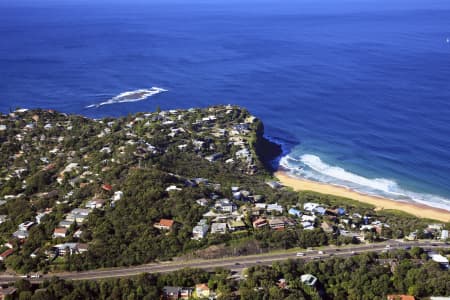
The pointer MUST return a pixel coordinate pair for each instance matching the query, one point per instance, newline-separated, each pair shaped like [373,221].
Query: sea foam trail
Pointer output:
[131,96]
[311,167]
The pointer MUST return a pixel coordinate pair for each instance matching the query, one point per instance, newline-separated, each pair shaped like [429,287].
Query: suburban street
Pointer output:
[233,263]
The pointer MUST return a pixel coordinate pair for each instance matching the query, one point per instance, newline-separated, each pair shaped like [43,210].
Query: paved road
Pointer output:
[233,263]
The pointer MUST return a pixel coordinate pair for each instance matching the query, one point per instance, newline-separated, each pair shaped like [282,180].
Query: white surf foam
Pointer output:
[131,96]
[312,167]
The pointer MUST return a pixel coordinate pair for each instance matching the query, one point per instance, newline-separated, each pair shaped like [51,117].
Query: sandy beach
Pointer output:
[419,210]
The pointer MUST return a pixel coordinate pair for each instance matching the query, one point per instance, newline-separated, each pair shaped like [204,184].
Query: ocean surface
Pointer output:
[357,92]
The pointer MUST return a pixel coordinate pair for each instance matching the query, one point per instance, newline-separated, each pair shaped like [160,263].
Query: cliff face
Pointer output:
[267,151]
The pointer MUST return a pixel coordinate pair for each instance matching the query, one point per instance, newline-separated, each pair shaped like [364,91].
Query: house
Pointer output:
[225,206]
[171,292]
[6,253]
[164,224]
[3,218]
[277,223]
[274,184]
[275,208]
[78,215]
[71,248]
[214,157]
[308,218]
[260,222]
[7,293]
[320,210]
[444,235]
[294,212]
[59,232]
[107,187]
[65,223]
[442,260]
[400,297]
[202,202]
[117,196]
[310,206]
[307,225]
[236,225]
[220,228]
[202,290]
[25,226]
[40,215]
[173,188]
[21,234]
[308,279]
[95,203]
[199,231]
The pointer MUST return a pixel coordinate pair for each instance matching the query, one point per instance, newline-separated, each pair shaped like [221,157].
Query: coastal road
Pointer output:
[236,263]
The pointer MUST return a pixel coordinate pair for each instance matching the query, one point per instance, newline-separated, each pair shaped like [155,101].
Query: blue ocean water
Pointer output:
[358,92]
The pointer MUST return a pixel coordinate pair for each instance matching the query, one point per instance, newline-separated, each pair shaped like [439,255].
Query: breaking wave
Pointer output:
[131,96]
[311,167]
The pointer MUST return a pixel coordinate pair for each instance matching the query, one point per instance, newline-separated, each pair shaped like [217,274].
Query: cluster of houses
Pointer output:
[200,291]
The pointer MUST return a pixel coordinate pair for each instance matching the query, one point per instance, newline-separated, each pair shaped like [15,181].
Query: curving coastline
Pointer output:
[418,210]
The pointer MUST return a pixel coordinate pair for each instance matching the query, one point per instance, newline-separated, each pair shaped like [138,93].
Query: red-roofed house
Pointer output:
[164,224]
[202,290]
[60,232]
[107,187]
[400,297]
[5,254]
[260,222]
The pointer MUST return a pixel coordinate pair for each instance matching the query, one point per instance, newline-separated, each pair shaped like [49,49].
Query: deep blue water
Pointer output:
[355,90]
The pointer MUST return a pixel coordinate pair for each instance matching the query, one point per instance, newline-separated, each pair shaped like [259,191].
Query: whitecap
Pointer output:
[131,96]
[312,167]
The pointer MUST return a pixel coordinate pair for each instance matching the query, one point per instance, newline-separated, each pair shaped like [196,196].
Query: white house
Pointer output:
[218,228]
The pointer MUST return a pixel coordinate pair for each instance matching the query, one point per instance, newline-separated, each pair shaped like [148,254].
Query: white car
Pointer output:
[300,254]
[321,252]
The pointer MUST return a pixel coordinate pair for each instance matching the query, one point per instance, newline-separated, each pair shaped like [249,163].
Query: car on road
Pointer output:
[237,264]
[353,252]
[300,254]
[321,252]
[36,275]
[388,246]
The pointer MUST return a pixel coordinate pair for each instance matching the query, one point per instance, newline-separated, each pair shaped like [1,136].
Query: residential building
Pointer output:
[295,212]
[444,235]
[274,184]
[95,203]
[21,234]
[310,206]
[308,279]
[234,225]
[171,292]
[202,290]
[400,297]
[164,224]
[59,232]
[202,202]
[260,222]
[199,231]
[277,223]
[220,228]
[7,293]
[275,208]
[6,253]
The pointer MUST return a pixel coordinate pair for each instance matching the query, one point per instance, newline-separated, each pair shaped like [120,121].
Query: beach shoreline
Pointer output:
[380,203]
